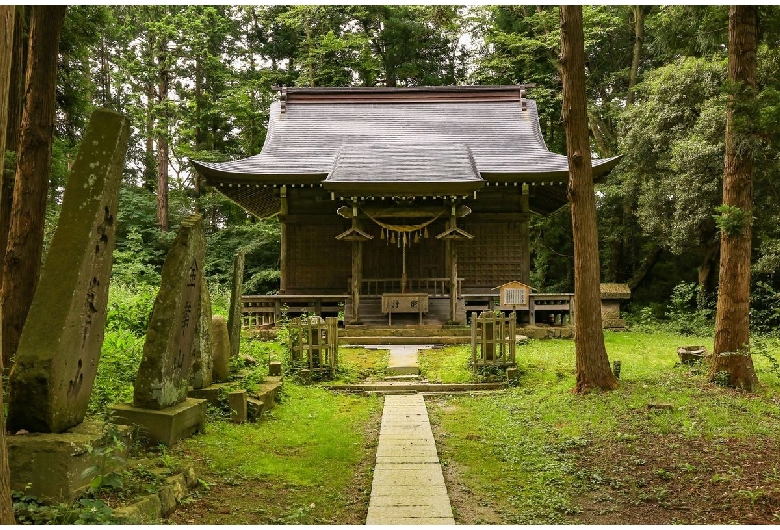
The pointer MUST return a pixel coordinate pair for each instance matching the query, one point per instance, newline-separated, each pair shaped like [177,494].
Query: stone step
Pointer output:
[412,387]
[405,377]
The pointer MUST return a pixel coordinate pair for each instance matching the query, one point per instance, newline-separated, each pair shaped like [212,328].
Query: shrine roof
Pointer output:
[405,141]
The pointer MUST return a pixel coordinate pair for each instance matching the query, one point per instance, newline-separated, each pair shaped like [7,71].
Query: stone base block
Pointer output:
[167,425]
[614,324]
[209,393]
[53,465]
[275,369]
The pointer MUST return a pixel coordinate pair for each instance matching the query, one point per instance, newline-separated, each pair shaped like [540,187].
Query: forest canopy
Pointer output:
[196,82]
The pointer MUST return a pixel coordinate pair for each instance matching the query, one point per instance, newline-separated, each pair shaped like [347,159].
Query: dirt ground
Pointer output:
[663,480]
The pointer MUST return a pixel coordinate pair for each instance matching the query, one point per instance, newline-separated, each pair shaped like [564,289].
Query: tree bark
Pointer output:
[162,140]
[639,37]
[732,337]
[593,370]
[7,17]
[14,104]
[22,261]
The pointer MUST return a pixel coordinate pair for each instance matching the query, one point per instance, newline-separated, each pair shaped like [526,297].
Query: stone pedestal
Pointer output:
[275,369]
[53,465]
[166,425]
[238,406]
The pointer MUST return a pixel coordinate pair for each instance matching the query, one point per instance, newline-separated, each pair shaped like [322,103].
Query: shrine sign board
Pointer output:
[404,303]
[514,296]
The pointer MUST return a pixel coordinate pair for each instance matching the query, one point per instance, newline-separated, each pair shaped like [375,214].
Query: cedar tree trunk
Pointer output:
[22,261]
[7,16]
[15,103]
[732,349]
[592,363]
[162,141]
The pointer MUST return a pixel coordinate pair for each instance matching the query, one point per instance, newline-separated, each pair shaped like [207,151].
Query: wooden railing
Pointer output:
[429,286]
[266,310]
[543,308]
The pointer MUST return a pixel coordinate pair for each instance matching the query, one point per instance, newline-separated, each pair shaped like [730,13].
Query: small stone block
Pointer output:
[167,496]
[511,375]
[254,409]
[275,369]
[306,376]
[210,394]
[190,478]
[145,510]
[167,425]
[238,406]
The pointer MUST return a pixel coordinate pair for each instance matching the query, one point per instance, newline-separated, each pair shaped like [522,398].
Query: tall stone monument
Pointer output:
[234,317]
[57,359]
[202,361]
[160,405]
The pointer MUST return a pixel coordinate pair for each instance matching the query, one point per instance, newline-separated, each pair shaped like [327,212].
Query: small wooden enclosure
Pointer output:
[493,340]
[314,343]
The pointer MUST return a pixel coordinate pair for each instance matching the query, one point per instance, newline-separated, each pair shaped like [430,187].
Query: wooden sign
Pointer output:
[514,296]
[404,303]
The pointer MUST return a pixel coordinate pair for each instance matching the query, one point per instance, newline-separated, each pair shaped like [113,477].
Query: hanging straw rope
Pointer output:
[405,228]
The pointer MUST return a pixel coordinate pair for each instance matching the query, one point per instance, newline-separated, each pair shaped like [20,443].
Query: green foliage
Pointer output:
[732,219]
[110,456]
[119,362]
[31,510]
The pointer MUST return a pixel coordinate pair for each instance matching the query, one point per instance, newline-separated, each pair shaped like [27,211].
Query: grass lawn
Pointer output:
[309,462]
[666,447]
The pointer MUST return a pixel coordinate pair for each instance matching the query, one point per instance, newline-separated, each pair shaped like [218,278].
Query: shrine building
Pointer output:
[424,192]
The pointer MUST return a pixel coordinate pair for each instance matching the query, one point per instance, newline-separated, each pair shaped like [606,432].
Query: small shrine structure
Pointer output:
[381,191]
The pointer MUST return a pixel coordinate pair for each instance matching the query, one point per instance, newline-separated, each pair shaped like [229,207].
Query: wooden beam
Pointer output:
[391,212]
[284,241]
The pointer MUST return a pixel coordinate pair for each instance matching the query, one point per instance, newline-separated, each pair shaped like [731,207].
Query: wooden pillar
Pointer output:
[452,252]
[357,273]
[525,237]
[283,239]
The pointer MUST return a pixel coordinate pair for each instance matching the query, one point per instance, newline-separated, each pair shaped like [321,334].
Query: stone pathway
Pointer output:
[408,485]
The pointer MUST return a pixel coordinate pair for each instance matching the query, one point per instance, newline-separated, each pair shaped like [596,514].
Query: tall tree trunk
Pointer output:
[22,261]
[647,266]
[162,138]
[150,158]
[732,337]
[15,103]
[593,370]
[7,16]
[639,37]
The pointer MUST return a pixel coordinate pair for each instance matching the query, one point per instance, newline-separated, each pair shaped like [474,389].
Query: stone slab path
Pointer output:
[403,357]
[408,485]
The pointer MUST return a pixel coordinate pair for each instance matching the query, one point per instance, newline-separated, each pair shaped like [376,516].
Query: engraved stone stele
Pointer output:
[57,358]
[163,376]
[202,362]
[220,348]
[234,316]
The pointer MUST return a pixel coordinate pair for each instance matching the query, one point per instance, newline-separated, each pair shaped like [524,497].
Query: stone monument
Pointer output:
[234,317]
[220,347]
[57,359]
[160,404]
[202,361]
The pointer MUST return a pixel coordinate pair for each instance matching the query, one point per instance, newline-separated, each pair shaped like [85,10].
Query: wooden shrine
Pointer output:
[385,191]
